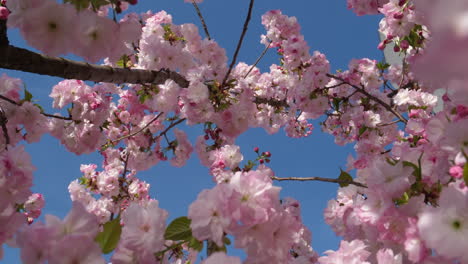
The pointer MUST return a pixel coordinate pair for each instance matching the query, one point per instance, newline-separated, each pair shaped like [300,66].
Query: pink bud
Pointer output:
[381,46]
[404,44]
[398,15]
[396,48]
[256,149]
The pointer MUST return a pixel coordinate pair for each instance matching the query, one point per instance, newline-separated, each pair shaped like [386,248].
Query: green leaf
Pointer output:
[336,103]
[98,3]
[403,199]
[79,4]
[122,62]
[362,130]
[110,236]
[195,244]
[179,229]
[345,178]
[465,173]
[382,66]
[40,107]
[27,96]
[227,241]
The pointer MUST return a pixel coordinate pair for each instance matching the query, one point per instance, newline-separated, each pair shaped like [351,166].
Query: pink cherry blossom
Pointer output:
[143,229]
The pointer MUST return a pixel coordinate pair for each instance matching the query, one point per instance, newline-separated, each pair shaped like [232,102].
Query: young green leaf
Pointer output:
[344,178]
[179,229]
[110,236]
[465,173]
[195,244]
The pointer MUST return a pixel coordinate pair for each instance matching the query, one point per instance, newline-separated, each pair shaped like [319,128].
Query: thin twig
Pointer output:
[170,126]
[202,20]
[258,59]
[139,130]
[318,179]
[44,114]
[9,100]
[58,117]
[239,43]
[125,163]
[370,96]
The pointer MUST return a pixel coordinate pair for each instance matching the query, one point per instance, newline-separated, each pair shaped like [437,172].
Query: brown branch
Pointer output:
[258,59]
[3,122]
[318,179]
[45,114]
[3,33]
[138,131]
[270,101]
[373,98]
[8,100]
[170,126]
[202,20]
[239,43]
[14,58]
[58,117]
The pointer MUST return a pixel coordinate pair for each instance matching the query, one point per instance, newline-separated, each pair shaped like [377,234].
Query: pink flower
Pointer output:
[353,252]
[93,36]
[182,150]
[79,249]
[144,227]
[34,205]
[254,198]
[35,242]
[210,214]
[386,256]
[221,257]
[48,27]
[78,221]
[445,228]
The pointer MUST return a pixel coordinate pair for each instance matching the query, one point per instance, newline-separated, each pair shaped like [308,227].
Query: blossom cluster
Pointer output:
[407,203]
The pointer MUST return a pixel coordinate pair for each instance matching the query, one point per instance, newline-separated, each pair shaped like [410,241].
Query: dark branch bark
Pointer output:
[202,20]
[239,43]
[3,33]
[14,58]
[373,98]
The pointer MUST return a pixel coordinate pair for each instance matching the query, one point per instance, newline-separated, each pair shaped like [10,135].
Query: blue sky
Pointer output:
[327,26]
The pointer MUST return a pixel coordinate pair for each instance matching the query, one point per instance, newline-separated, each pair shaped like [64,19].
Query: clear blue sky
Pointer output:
[327,26]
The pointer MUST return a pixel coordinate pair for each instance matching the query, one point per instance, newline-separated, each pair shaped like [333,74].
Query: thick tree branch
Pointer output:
[239,44]
[3,33]
[14,58]
[371,97]
[318,179]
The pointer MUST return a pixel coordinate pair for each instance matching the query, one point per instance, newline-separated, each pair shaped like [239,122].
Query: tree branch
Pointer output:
[205,28]
[14,58]
[373,98]
[239,43]
[44,114]
[318,179]
[138,131]
[258,59]
[3,33]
